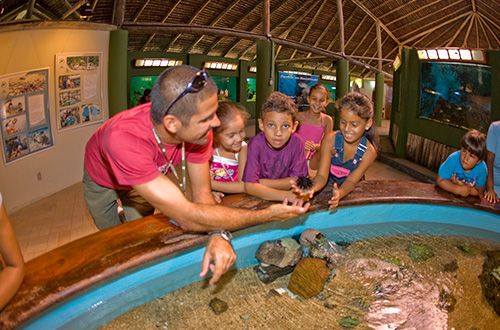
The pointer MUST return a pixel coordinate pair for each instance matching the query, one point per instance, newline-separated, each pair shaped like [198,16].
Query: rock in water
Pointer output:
[217,305]
[282,252]
[309,277]
[269,273]
[322,248]
[490,279]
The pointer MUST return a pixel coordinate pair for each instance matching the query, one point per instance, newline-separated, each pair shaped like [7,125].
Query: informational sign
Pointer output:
[78,89]
[24,114]
[297,85]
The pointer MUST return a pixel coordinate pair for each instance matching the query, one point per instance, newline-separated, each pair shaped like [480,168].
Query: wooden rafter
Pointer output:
[13,13]
[440,36]
[345,24]
[477,30]
[382,25]
[434,28]
[398,8]
[489,20]
[374,54]
[488,28]
[250,13]
[484,32]
[310,4]
[417,10]
[473,3]
[213,23]
[191,20]
[320,38]
[254,27]
[139,12]
[363,40]
[431,25]
[462,26]
[355,30]
[465,43]
[29,10]
[296,22]
[151,37]
[489,10]
[73,9]
[313,21]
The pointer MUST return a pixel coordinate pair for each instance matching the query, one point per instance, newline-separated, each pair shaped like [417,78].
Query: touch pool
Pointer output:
[94,290]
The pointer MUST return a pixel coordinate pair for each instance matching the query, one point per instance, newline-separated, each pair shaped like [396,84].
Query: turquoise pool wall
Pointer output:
[99,305]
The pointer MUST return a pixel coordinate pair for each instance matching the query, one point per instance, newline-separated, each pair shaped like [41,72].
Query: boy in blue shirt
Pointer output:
[464,172]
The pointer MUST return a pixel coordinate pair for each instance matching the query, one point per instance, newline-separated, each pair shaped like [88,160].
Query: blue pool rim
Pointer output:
[107,300]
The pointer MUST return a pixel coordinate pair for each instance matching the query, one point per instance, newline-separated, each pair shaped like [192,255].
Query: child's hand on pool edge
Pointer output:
[218,258]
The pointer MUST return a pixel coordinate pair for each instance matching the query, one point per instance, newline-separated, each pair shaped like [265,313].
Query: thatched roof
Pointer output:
[229,28]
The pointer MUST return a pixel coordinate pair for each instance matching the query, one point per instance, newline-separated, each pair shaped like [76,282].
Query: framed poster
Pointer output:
[78,89]
[24,114]
[297,86]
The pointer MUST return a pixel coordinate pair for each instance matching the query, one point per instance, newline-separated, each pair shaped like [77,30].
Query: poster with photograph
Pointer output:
[24,113]
[296,85]
[78,90]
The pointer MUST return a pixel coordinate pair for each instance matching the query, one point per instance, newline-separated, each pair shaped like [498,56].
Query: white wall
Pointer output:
[62,165]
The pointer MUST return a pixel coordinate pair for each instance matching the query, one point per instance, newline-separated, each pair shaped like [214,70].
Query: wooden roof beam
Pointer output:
[355,30]
[417,10]
[375,18]
[13,13]
[191,20]
[151,37]
[467,34]
[139,12]
[440,36]
[430,26]
[252,29]
[29,10]
[213,23]
[295,23]
[484,32]
[477,30]
[73,9]
[489,20]
[363,40]
[322,35]
[462,26]
[337,35]
[313,21]
[434,28]
[489,29]
[250,13]
[394,10]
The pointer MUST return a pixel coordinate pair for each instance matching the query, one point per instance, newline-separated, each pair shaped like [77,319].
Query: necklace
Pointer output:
[170,165]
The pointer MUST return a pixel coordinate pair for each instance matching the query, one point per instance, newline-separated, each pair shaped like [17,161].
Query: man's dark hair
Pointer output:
[169,85]
[475,143]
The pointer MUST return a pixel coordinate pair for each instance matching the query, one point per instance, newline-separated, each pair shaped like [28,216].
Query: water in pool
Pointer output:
[377,286]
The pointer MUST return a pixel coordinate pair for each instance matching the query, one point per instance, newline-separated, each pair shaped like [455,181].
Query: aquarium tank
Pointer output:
[226,87]
[138,85]
[456,94]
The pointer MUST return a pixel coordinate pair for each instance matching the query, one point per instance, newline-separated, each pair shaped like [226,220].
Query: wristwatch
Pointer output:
[222,233]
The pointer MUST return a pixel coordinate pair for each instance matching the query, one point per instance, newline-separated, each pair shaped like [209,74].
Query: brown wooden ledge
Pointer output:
[78,265]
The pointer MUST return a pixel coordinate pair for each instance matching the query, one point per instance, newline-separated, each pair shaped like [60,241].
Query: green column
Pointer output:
[265,75]
[117,71]
[400,147]
[342,84]
[379,98]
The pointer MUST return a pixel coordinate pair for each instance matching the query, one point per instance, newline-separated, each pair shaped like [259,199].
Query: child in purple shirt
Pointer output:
[276,156]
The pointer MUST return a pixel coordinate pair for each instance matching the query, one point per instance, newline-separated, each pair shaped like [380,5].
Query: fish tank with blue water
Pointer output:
[457,94]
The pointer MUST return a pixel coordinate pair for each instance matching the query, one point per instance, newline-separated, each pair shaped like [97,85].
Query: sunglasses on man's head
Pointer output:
[194,86]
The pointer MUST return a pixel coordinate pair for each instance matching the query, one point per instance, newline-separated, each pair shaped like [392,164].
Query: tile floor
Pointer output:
[63,217]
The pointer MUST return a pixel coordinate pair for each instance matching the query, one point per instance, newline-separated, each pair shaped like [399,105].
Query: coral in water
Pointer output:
[348,322]
[419,252]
